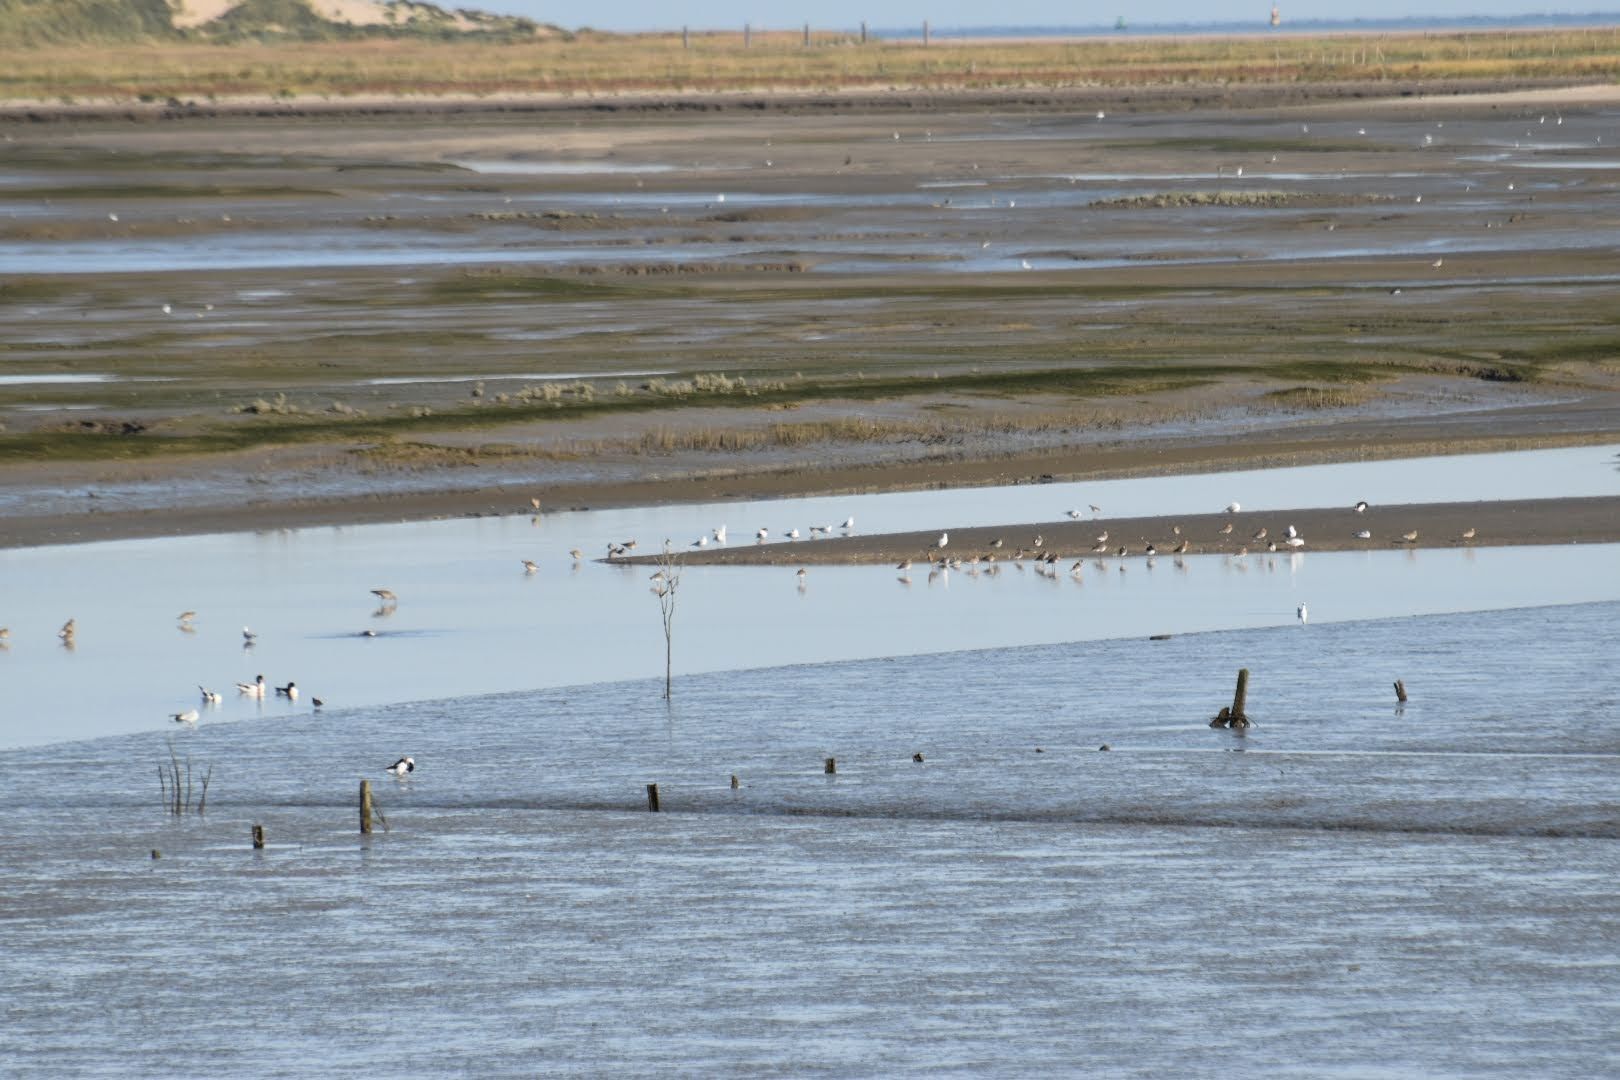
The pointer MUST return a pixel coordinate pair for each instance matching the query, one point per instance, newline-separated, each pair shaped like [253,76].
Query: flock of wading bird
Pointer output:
[1035,554]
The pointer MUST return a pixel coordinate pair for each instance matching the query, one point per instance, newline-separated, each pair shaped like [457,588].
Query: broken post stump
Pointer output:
[365,807]
[1234,716]
[1400,691]
[831,767]
[652,798]
[258,838]
[735,783]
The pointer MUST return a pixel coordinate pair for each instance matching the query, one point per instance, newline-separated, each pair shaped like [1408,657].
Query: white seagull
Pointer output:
[248,636]
[1363,534]
[187,717]
[252,689]
[1233,508]
[849,523]
[403,766]
[1304,615]
[212,697]
[720,535]
[944,538]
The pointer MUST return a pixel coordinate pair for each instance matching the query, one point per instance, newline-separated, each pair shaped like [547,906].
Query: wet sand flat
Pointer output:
[242,321]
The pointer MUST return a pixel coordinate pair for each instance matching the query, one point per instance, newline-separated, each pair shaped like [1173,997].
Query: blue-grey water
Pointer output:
[1347,889]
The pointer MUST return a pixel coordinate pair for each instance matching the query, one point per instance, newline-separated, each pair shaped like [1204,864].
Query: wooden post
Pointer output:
[686,38]
[748,35]
[1400,691]
[863,31]
[807,35]
[258,838]
[1241,695]
[735,783]
[156,854]
[925,33]
[365,807]
[831,767]
[652,798]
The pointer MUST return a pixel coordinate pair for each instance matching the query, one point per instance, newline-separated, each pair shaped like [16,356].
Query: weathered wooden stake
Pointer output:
[748,35]
[686,38]
[652,798]
[258,838]
[1400,691]
[1241,696]
[735,783]
[863,31]
[831,767]
[156,854]
[925,33]
[807,35]
[365,807]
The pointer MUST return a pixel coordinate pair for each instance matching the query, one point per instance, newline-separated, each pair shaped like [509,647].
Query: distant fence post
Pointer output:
[258,838]
[925,33]
[831,766]
[748,35]
[807,35]
[863,31]
[652,798]
[686,38]
[365,807]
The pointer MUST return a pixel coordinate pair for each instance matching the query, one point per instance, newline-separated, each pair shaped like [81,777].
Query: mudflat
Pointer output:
[250,320]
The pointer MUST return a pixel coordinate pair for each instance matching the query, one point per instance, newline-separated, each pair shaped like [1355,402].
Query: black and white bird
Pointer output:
[1304,615]
[1361,507]
[849,523]
[290,691]
[252,689]
[210,697]
[403,766]
[1233,508]
[187,717]
[248,636]
[530,566]
[386,596]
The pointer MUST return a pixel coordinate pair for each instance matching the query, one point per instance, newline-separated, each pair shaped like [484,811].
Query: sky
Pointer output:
[944,14]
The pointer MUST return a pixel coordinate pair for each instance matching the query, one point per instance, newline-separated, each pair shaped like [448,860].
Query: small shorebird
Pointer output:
[1102,537]
[290,691]
[1304,615]
[1099,549]
[211,697]
[1363,534]
[1077,514]
[185,616]
[1039,540]
[1095,509]
[801,575]
[1259,534]
[849,523]
[530,566]
[252,689]
[534,503]
[187,717]
[385,595]
[903,565]
[403,766]
[720,535]
[248,636]
[1150,549]
[629,545]
[576,554]
[762,535]
[702,541]
[1361,507]
[996,543]
[1290,532]
[1468,533]
[1226,530]
[69,628]
[793,534]
[1180,549]
[1410,537]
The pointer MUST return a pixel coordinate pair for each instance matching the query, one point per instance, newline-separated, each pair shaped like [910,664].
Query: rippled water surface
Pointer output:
[1349,888]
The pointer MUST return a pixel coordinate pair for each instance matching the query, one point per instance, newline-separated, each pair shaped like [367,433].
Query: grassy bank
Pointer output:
[653,63]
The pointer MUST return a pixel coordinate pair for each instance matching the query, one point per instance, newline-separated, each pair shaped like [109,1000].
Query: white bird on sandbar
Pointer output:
[792,534]
[252,689]
[762,534]
[944,538]
[1291,532]
[1361,507]
[1363,534]
[1077,514]
[187,717]
[702,541]
[1233,508]
[849,523]
[720,535]
[403,766]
